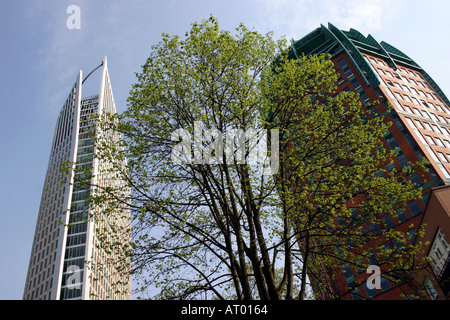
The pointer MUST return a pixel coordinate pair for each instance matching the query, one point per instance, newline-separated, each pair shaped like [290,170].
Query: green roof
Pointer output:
[335,41]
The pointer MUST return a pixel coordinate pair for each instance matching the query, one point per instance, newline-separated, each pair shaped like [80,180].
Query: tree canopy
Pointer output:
[249,174]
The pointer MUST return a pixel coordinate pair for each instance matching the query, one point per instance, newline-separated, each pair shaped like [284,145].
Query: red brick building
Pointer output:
[421,128]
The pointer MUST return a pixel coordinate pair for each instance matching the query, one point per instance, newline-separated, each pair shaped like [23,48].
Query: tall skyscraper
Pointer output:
[67,260]
[378,71]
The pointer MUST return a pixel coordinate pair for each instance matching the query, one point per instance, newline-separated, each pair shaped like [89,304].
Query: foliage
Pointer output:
[337,188]
[214,226]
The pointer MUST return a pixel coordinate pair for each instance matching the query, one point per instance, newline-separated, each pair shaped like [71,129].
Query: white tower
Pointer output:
[66,261]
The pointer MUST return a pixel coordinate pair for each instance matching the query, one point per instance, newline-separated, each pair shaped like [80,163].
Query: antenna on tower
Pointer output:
[91,73]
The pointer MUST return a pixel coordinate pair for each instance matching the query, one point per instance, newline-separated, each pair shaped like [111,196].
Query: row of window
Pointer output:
[437,156]
[353,81]
[75,240]
[44,247]
[421,113]
[426,91]
[427,126]
[425,114]
[404,70]
[71,293]
[417,92]
[416,124]
[75,252]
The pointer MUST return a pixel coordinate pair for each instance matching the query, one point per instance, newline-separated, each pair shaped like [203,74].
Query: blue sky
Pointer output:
[40,58]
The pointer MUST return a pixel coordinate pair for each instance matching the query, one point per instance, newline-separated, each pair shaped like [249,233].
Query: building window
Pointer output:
[374,228]
[425,114]
[388,222]
[447,143]
[417,112]
[436,129]
[355,83]
[444,171]
[371,293]
[408,109]
[427,126]
[415,179]
[439,252]
[442,156]
[414,207]
[411,236]
[384,284]
[431,152]
[391,141]
[440,143]
[433,116]
[440,108]
[345,68]
[402,159]
[401,216]
[411,123]
[419,124]
[430,140]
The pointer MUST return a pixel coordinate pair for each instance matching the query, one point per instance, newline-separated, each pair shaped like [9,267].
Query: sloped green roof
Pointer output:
[334,41]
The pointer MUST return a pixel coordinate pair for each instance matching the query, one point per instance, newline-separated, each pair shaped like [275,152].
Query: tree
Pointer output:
[206,223]
[338,190]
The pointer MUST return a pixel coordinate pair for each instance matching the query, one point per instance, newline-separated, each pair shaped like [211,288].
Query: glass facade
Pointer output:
[75,253]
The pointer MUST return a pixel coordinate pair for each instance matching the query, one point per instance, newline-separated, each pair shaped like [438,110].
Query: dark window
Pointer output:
[388,222]
[414,207]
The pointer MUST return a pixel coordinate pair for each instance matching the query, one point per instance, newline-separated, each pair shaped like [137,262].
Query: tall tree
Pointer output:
[212,216]
[338,191]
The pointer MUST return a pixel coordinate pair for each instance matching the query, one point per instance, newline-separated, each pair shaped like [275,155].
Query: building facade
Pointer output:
[67,261]
[436,218]
[377,71]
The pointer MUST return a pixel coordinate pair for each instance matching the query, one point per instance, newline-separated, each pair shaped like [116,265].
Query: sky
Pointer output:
[40,58]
